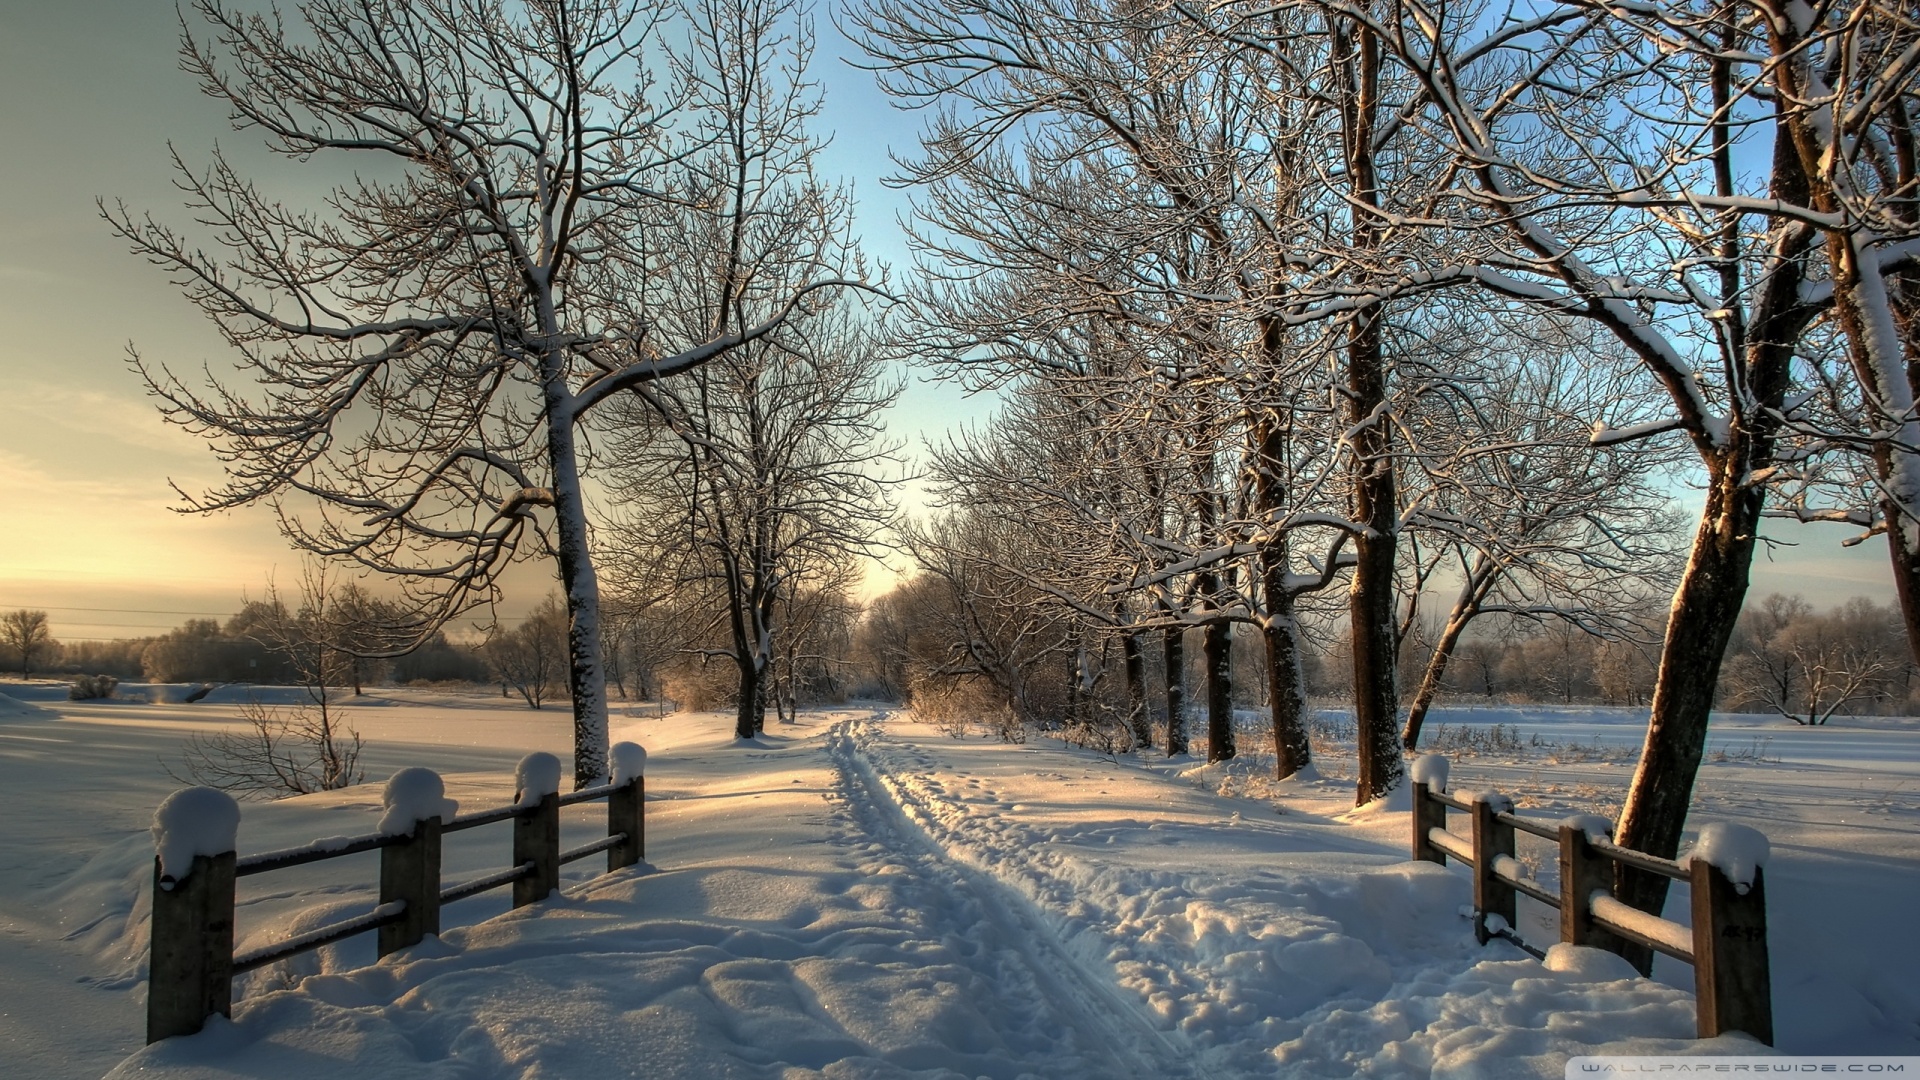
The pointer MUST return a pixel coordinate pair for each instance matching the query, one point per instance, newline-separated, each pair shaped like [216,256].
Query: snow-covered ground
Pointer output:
[859,895]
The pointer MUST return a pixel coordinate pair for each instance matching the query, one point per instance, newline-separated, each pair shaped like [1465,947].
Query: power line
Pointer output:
[119,611]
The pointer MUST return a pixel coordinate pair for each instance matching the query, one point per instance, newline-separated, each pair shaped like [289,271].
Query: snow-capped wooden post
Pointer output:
[190,959]
[1583,872]
[1492,840]
[536,828]
[1733,982]
[626,806]
[1429,774]
[416,808]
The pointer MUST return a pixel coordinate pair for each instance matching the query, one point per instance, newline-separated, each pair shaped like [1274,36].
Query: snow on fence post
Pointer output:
[416,808]
[190,958]
[1429,775]
[1733,984]
[536,828]
[626,806]
[1583,872]
[1492,838]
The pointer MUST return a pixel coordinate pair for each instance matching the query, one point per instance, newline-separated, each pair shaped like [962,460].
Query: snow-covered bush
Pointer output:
[955,705]
[1103,732]
[91,687]
[700,687]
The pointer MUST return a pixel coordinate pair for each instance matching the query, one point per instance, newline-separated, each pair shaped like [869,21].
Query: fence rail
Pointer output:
[1726,943]
[192,963]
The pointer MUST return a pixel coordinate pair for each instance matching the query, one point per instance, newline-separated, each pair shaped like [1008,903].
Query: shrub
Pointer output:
[701,687]
[91,687]
[956,704]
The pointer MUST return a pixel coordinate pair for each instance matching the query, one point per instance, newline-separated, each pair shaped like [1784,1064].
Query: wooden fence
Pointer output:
[1726,945]
[192,962]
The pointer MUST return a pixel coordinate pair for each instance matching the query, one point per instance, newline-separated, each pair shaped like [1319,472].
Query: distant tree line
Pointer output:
[925,645]
[1784,658]
[243,649]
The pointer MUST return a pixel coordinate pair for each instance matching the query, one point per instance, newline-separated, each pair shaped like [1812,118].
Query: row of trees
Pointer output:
[1383,293]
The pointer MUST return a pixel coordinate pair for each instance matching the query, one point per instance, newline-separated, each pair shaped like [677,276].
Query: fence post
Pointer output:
[626,813]
[1583,872]
[1733,986]
[536,840]
[410,872]
[190,964]
[1491,838]
[627,804]
[1428,814]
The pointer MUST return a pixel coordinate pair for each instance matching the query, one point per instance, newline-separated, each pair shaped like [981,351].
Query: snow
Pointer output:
[1595,826]
[1431,770]
[1596,964]
[1510,868]
[413,795]
[1736,850]
[1669,933]
[192,822]
[861,895]
[536,777]
[629,762]
[1457,846]
[1500,804]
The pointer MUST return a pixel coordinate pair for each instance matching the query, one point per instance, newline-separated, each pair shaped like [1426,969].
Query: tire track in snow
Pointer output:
[1103,1021]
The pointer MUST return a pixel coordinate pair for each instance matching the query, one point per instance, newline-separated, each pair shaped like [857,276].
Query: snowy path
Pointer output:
[1291,945]
[1099,1018]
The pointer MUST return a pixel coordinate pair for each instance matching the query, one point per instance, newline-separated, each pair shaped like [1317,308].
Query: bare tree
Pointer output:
[417,357]
[1809,667]
[753,481]
[531,658]
[26,633]
[980,621]
[767,468]
[1636,220]
[309,747]
[816,619]
[1531,521]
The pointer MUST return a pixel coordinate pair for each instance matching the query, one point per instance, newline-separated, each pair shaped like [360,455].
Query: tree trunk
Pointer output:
[1705,608]
[1218,649]
[585,677]
[1135,666]
[1280,632]
[1076,673]
[750,702]
[1174,647]
[1466,606]
[1430,680]
[1714,585]
[1906,579]
[1286,678]
[1370,607]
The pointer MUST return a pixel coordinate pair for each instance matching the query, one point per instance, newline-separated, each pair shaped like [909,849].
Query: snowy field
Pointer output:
[859,895]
